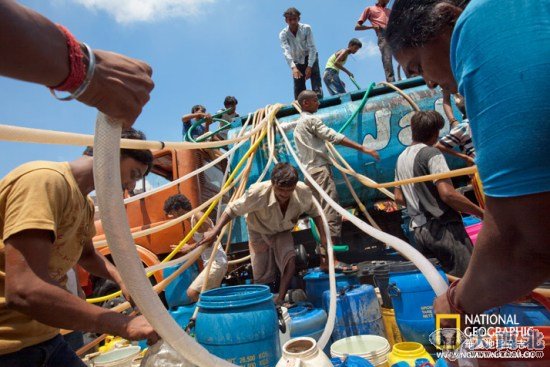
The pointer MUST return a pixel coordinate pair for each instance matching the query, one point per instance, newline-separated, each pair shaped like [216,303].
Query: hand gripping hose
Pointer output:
[113,217]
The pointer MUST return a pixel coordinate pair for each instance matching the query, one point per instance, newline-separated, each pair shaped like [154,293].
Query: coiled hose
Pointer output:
[113,216]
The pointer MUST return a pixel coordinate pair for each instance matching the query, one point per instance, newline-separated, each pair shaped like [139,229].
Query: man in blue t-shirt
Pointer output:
[497,55]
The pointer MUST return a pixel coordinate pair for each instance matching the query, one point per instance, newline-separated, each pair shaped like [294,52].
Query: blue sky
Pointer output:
[200,51]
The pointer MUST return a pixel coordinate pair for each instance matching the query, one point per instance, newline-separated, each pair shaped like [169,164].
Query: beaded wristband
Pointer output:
[77,69]
[79,77]
[89,74]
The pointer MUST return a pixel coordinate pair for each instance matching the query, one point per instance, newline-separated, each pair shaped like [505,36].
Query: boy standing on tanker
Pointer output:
[272,209]
[300,53]
[336,63]
[47,225]
[310,136]
[178,205]
[197,112]
[378,15]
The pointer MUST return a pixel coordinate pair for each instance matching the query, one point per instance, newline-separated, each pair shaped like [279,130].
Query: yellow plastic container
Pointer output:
[408,352]
[392,331]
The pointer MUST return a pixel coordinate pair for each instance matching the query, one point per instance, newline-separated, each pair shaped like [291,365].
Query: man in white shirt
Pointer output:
[300,53]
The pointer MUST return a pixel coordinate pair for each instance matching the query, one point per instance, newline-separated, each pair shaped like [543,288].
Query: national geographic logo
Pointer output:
[447,339]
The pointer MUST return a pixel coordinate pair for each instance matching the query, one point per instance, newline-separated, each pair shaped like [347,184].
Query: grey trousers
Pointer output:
[447,242]
[385,50]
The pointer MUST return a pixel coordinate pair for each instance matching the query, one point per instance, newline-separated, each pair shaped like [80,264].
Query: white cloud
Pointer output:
[129,11]
[369,49]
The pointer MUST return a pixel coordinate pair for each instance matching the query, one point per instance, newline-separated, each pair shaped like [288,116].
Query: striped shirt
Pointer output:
[460,136]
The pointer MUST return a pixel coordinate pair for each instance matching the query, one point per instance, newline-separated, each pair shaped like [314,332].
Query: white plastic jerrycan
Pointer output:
[303,352]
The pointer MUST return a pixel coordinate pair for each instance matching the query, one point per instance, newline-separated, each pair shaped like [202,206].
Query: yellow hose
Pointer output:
[190,234]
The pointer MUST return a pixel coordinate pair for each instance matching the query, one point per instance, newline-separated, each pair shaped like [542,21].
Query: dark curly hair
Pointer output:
[141,155]
[176,202]
[414,23]
[284,175]
[230,101]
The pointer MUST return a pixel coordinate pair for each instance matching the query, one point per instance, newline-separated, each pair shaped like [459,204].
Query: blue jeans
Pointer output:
[51,353]
[332,80]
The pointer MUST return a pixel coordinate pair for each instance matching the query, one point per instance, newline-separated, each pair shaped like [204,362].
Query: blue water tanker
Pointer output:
[305,320]
[382,124]
[317,282]
[412,299]
[239,324]
[176,291]
[357,312]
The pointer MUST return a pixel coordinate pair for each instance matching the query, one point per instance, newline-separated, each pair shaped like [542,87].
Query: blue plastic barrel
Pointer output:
[357,312]
[317,282]
[307,321]
[351,361]
[412,298]
[176,291]
[239,324]
[526,314]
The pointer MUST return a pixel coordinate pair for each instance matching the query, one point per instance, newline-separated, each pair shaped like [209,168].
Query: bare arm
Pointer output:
[351,144]
[448,109]
[511,256]
[34,50]
[360,27]
[456,200]
[35,38]
[399,198]
[453,152]
[97,264]
[339,59]
[211,235]
[191,116]
[31,291]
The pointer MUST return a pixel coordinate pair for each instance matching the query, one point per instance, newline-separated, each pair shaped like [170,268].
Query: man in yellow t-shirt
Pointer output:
[46,227]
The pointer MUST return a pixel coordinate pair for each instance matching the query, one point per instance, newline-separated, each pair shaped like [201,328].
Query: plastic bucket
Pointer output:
[307,321]
[122,357]
[412,299]
[408,352]
[351,361]
[317,283]
[527,314]
[357,312]
[373,348]
[239,324]
[176,291]
[392,330]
